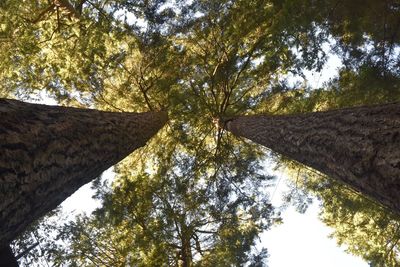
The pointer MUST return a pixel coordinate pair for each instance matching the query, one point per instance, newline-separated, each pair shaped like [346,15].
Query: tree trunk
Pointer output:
[48,152]
[358,146]
[7,258]
[186,253]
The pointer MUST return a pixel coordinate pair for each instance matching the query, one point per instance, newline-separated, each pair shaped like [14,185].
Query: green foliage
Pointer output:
[364,31]
[192,196]
[364,227]
[170,216]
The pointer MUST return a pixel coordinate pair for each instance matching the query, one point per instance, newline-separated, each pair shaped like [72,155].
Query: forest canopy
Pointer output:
[196,194]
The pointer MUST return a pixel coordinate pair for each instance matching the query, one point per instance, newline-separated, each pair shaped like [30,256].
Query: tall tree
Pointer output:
[49,152]
[357,146]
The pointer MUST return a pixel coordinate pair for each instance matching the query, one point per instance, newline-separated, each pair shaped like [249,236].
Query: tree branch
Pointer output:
[66,5]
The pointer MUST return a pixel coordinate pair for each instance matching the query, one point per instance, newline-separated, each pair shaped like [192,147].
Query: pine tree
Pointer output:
[48,152]
[358,146]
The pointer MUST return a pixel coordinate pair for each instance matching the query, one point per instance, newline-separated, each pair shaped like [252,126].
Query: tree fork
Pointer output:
[358,146]
[48,152]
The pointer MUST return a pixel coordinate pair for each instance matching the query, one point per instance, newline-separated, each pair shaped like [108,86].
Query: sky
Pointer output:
[302,240]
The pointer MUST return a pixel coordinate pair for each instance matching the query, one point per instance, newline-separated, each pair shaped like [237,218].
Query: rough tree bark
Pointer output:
[48,152]
[358,146]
